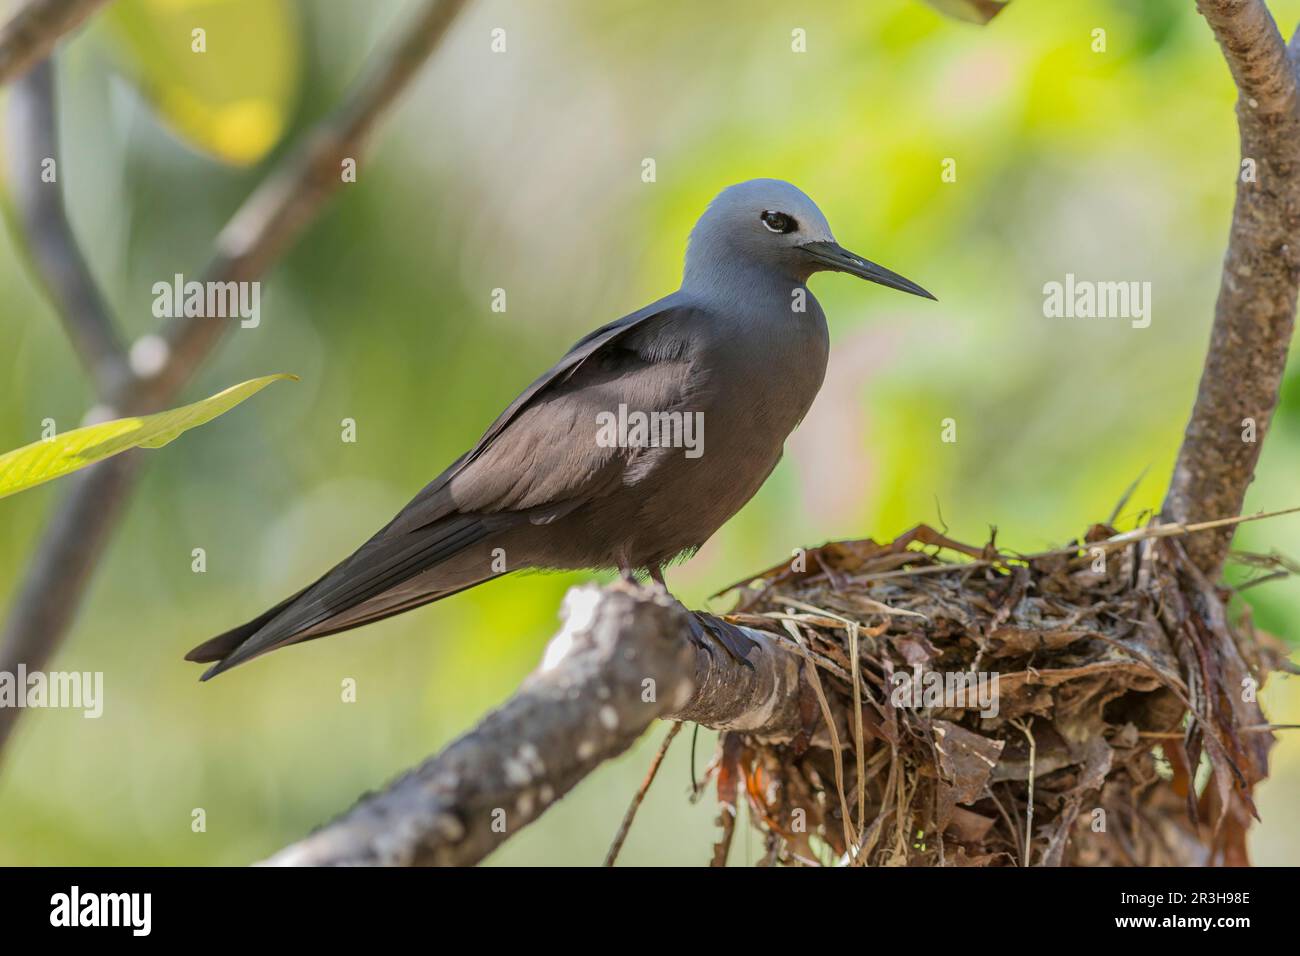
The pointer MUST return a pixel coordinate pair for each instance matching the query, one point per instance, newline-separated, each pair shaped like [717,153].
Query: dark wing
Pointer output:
[434,499]
[561,371]
[520,471]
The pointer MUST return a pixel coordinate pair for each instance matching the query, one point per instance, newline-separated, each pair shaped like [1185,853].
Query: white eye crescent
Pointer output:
[778,221]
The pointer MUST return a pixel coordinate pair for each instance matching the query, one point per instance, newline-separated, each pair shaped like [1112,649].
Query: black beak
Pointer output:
[831,255]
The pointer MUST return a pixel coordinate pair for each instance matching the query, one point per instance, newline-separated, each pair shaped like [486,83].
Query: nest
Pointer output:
[1125,729]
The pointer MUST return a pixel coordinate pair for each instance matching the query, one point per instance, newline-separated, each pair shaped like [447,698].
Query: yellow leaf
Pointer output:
[41,461]
[233,99]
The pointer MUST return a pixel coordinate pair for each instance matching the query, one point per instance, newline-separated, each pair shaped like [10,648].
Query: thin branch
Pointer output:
[639,797]
[73,542]
[31,33]
[1255,313]
[271,219]
[59,572]
[622,660]
[36,174]
[1023,726]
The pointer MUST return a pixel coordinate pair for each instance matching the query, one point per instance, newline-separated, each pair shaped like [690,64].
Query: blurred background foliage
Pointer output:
[522,171]
[235,103]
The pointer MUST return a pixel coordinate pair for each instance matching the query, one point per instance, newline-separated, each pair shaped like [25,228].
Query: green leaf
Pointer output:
[41,461]
[972,11]
[233,100]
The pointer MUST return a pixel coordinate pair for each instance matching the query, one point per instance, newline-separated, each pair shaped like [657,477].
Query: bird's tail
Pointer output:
[231,648]
[214,649]
[368,586]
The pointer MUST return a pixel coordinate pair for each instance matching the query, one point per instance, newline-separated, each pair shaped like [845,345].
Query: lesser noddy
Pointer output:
[739,350]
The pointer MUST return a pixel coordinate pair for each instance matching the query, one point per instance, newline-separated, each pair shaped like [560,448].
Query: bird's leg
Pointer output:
[706,630]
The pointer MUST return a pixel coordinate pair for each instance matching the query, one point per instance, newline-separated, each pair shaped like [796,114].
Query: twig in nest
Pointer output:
[1168,530]
[1002,810]
[1275,576]
[857,733]
[726,820]
[1128,493]
[628,817]
[1023,726]
[695,787]
[816,682]
[728,792]
[866,601]
[872,833]
[1252,729]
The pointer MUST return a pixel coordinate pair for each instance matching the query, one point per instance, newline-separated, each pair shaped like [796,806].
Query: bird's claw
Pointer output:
[707,630]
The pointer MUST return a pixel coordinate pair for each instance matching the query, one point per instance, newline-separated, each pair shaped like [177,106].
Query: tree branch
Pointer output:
[30,34]
[260,231]
[59,572]
[270,220]
[587,703]
[1255,313]
[56,258]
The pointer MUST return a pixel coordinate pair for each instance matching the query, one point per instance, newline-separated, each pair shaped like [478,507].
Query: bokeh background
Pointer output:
[522,170]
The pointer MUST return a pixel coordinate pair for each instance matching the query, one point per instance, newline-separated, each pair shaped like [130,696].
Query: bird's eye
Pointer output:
[778,221]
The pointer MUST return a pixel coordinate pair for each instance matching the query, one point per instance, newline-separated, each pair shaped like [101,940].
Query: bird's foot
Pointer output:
[706,630]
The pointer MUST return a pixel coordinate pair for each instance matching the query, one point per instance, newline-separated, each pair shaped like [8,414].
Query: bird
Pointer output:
[569,476]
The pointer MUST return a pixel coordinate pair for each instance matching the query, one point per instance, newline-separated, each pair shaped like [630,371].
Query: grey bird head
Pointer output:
[772,225]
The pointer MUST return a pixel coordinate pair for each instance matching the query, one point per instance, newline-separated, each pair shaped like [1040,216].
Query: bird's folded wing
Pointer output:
[543,449]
